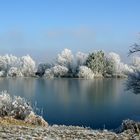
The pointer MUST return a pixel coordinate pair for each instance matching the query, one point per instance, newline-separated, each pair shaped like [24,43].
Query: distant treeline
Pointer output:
[66,64]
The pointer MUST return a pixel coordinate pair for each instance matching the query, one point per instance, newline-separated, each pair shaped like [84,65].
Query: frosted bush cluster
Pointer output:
[42,67]
[96,61]
[118,66]
[49,74]
[67,64]
[2,73]
[13,72]
[15,106]
[13,66]
[85,72]
[27,65]
[56,71]
[81,58]
[65,58]
[87,66]
[59,70]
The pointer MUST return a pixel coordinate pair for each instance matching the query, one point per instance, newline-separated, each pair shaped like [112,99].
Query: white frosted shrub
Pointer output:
[118,66]
[49,74]
[59,70]
[21,109]
[8,61]
[15,106]
[127,69]
[27,66]
[81,58]
[14,72]
[2,73]
[56,71]
[114,57]
[65,58]
[5,104]
[70,61]
[96,62]
[12,66]
[42,67]
[85,72]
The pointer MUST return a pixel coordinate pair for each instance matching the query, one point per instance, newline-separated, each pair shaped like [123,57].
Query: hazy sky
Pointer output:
[42,28]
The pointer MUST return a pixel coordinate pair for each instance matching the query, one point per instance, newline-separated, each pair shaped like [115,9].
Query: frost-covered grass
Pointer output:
[6,121]
[16,107]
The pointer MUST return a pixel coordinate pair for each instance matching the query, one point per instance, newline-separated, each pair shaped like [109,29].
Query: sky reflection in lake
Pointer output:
[93,103]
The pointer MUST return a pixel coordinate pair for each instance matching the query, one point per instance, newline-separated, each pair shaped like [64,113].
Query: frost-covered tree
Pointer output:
[49,74]
[65,58]
[67,64]
[116,60]
[27,66]
[14,72]
[59,71]
[13,66]
[81,58]
[8,61]
[134,48]
[42,68]
[109,67]
[110,64]
[85,72]
[119,67]
[56,71]
[2,73]
[96,62]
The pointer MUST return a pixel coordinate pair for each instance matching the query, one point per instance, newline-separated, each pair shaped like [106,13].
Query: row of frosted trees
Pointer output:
[13,66]
[80,65]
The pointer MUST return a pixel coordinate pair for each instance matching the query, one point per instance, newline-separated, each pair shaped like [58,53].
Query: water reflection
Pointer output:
[24,87]
[133,84]
[93,103]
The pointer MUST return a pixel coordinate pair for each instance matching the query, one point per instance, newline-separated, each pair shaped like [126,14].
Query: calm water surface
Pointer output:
[94,103]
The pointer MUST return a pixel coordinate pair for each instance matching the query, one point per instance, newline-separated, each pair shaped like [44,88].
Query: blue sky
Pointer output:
[42,28]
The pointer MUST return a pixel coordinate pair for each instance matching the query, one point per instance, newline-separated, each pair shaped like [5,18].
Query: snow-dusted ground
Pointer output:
[55,132]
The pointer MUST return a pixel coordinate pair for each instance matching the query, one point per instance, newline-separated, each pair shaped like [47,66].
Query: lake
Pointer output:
[94,103]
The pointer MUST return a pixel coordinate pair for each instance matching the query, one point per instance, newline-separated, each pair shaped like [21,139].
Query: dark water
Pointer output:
[94,103]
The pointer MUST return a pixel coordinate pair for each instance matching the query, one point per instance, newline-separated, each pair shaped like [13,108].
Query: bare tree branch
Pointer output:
[134,48]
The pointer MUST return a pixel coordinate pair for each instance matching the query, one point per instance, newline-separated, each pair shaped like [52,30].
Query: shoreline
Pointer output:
[17,129]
